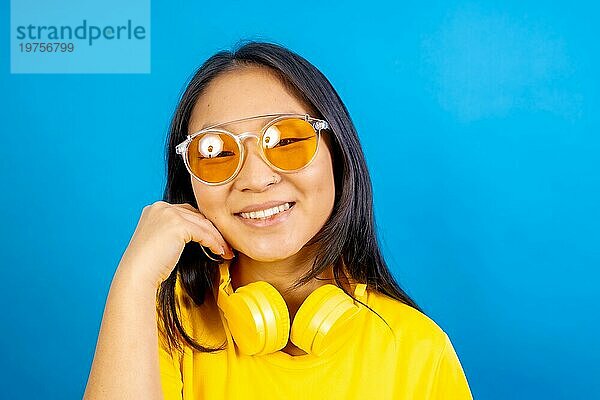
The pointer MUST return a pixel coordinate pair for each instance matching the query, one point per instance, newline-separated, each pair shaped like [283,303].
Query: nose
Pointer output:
[255,175]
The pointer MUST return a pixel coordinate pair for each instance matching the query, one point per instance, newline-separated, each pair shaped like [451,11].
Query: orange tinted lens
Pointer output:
[213,156]
[290,144]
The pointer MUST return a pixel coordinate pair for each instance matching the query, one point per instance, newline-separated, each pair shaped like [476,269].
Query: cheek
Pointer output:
[207,198]
[321,183]
[326,168]
[323,187]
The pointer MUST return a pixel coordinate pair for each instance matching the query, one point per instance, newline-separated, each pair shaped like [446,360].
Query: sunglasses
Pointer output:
[287,143]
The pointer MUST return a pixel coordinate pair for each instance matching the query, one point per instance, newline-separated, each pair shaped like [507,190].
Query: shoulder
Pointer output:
[423,349]
[408,325]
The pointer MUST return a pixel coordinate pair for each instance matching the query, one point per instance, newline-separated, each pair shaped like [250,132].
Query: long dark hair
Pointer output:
[348,240]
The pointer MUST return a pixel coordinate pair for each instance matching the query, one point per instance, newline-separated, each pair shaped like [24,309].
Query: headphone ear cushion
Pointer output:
[320,323]
[258,318]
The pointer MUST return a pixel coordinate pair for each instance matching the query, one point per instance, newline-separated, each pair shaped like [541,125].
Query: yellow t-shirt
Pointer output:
[412,360]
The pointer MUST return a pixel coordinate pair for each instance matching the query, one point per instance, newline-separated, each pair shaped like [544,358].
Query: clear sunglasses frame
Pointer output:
[182,148]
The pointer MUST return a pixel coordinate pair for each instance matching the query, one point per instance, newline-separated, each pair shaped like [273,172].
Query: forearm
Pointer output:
[126,363]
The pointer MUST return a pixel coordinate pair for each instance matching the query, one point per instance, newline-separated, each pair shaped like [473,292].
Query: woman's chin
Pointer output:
[268,255]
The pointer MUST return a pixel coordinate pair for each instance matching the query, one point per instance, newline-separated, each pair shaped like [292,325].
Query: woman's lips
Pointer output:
[270,221]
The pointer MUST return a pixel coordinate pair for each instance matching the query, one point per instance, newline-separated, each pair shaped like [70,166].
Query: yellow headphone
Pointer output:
[259,321]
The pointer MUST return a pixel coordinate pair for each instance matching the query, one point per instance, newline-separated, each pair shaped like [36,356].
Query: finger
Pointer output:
[215,237]
[187,206]
[195,214]
[190,211]
[197,233]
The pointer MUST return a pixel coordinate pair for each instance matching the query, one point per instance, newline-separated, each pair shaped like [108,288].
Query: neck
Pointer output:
[281,274]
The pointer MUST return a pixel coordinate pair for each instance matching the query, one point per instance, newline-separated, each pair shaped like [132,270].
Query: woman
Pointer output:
[270,280]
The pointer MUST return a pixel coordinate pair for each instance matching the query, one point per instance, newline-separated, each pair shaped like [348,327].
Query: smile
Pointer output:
[267,217]
[264,214]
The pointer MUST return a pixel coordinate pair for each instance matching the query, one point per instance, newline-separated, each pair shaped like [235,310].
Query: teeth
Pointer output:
[263,214]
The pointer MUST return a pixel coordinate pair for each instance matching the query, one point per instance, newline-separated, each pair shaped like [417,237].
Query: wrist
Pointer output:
[131,274]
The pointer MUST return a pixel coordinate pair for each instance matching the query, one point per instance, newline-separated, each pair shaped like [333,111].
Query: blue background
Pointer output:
[480,126]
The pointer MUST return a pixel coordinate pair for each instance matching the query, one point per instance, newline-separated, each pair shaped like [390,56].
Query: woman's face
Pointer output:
[249,92]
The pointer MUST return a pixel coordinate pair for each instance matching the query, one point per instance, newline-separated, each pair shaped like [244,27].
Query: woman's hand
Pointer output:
[161,235]
[126,360]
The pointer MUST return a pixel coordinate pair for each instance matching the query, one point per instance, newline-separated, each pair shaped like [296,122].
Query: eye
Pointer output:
[271,137]
[210,146]
[287,141]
